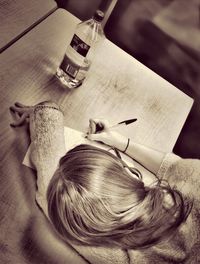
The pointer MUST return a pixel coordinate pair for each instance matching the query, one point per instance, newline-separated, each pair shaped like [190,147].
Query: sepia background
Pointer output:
[164,35]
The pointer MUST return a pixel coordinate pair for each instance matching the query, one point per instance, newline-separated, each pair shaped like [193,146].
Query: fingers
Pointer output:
[97,125]
[20,114]
[92,127]
[20,121]
[15,115]
[96,137]
[21,105]
[19,109]
[103,122]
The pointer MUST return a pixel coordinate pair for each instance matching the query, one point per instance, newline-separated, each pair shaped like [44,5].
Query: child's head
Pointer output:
[93,200]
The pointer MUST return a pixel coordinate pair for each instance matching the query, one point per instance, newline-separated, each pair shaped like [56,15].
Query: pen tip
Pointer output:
[131,121]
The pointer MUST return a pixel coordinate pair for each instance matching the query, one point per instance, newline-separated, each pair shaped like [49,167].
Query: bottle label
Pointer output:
[80,46]
[69,67]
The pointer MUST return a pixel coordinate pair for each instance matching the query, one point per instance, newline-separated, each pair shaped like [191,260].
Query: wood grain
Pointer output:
[117,87]
[18,16]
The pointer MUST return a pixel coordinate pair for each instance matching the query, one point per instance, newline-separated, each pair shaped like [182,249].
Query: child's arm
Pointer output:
[47,138]
[151,159]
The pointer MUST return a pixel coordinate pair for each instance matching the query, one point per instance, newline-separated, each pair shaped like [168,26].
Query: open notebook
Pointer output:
[74,138]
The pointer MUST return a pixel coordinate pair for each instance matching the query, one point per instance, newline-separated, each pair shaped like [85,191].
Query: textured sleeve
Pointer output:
[47,145]
[184,174]
[169,160]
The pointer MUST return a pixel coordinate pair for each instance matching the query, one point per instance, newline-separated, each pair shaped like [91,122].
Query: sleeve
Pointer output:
[47,146]
[169,160]
[183,174]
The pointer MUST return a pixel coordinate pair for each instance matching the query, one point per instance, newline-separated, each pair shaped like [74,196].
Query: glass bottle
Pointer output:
[80,52]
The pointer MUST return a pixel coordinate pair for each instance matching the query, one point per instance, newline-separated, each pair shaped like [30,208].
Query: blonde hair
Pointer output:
[92,200]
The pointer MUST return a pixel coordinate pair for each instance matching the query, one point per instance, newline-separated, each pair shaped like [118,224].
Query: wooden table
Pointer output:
[117,87]
[19,16]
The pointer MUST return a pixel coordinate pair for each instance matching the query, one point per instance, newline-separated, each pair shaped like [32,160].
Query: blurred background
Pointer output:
[165,36]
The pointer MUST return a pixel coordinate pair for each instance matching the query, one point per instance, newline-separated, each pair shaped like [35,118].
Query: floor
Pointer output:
[163,35]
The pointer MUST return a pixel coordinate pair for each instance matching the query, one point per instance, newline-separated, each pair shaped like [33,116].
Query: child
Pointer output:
[94,199]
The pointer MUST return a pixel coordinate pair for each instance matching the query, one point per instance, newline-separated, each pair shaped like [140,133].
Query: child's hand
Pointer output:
[99,130]
[21,112]
[98,126]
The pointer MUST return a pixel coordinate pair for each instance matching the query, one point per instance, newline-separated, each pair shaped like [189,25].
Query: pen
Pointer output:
[125,122]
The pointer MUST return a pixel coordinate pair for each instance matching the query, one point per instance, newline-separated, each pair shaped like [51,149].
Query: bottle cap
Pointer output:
[98,16]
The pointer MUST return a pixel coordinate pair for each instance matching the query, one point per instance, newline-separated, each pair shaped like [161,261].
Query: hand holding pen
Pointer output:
[99,125]
[101,130]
